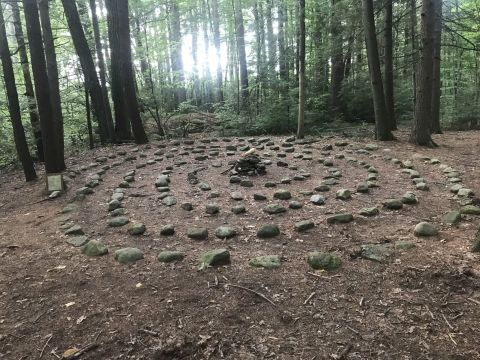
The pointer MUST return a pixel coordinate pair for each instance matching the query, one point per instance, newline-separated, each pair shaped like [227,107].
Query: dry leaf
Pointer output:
[67,305]
[70,352]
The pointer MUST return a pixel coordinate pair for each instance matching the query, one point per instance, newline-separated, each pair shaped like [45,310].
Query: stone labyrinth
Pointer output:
[183,199]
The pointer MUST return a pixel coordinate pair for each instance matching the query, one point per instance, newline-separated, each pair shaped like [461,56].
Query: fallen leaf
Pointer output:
[70,352]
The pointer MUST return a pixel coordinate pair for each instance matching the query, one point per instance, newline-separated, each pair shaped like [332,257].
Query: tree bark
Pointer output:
[91,143]
[272,43]
[216,40]
[176,54]
[88,67]
[14,105]
[389,82]
[382,130]
[301,71]
[52,72]
[437,61]
[420,134]
[338,68]
[242,55]
[29,92]
[123,86]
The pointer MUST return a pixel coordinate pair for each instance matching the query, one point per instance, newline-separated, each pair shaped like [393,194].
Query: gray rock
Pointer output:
[404,245]
[204,186]
[282,194]
[167,230]
[295,205]
[225,232]
[117,196]
[259,197]
[285,181]
[237,196]
[274,209]
[343,218]
[268,231]
[128,255]
[162,181]
[476,243]
[409,198]
[197,233]
[78,241]
[137,229]
[114,204]
[317,200]
[270,184]
[465,192]
[425,229]
[322,188]
[69,208]
[393,204]
[212,209]
[324,261]
[266,261]
[470,210]
[304,225]
[94,248]
[246,183]
[238,209]
[369,211]
[118,221]
[343,194]
[187,206]
[376,252]
[454,189]
[169,201]
[163,189]
[235,179]
[452,217]
[216,257]
[422,186]
[74,230]
[170,256]
[363,188]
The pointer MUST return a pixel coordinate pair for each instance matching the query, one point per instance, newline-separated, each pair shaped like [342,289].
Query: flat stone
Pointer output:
[167,230]
[422,186]
[404,245]
[225,232]
[363,188]
[204,186]
[393,204]
[270,184]
[128,255]
[118,221]
[369,211]
[470,210]
[295,205]
[266,261]
[322,188]
[187,206]
[343,194]
[162,181]
[114,204]
[94,248]
[117,212]
[317,200]
[342,218]
[84,191]
[216,257]
[237,196]
[69,208]
[170,256]
[239,209]
[259,197]
[324,261]
[246,183]
[197,233]
[118,196]
[304,225]
[169,201]
[212,209]
[268,231]
[235,179]
[78,241]
[465,192]
[74,230]
[137,229]
[425,229]
[376,252]
[282,194]
[476,243]
[273,209]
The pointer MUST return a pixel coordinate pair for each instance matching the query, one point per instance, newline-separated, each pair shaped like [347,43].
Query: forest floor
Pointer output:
[417,303]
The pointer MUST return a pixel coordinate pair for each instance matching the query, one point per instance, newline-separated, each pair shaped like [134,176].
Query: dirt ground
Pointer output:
[422,303]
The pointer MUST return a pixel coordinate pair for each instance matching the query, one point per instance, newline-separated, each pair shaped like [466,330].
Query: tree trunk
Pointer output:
[414,49]
[176,54]
[102,70]
[52,72]
[242,55]
[301,72]
[89,119]
[217,42]
[272,43]
[88,67]
[382,130]
[14,105]
[421,129]
[389,84]
[337,72]
[437,61]
[29,92]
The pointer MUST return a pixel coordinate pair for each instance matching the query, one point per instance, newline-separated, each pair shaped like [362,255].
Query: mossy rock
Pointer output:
[94,248]
[266,261]
[324,261]
[128,255]
[470,210]
[216,257]
[170,256]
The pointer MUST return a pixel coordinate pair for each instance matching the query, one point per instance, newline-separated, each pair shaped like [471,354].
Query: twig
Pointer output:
[352,330]
[309,298]
[445,318]
[474,301]
[98,335]
[322,277]
[82,351]
[361,301]
[38,317]
[451,338]
[253,292]
[431,314]
[45,346]
[343,354]
[148,332]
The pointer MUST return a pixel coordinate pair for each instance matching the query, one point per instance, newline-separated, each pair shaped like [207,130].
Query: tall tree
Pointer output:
[52,145]
[338,65]
[388,64]
[437,61]
[242,55]
[217,42]
[29,92]
[52,72]
[301,70]
[123,80]
[88,68]
[14,106]
[382,130]
[175,39]
[421,128]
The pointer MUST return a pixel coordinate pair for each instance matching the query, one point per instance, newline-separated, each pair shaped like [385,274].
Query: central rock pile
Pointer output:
[250,165]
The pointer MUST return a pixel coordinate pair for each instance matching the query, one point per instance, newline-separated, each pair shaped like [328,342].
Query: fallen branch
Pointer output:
[253,292]
[45,346]
[309,298]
